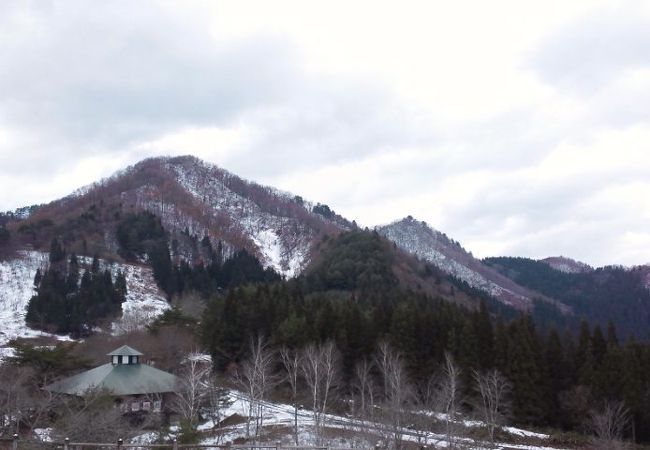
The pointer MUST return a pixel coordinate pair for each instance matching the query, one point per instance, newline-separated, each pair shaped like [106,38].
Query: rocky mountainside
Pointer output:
[449,256]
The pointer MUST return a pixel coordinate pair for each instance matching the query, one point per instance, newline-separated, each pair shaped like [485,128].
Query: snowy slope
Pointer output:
[16,288]
[433,246]
[143,304]
[283,242]
[144,300]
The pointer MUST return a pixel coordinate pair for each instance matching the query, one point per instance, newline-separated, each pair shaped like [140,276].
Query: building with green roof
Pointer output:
[137,386]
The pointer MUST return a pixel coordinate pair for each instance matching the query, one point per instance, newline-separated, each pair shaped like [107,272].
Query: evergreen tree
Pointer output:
[525,373]
[57,254]
[558,375]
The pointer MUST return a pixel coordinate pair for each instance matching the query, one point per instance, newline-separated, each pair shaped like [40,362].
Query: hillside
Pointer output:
[194,200]
[253,262]
[203,215]
[450,257]
[191,197]
[567,265]
[613,293]
[144,301]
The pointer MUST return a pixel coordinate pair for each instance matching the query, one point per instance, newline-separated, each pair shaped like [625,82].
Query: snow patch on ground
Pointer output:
[282,415]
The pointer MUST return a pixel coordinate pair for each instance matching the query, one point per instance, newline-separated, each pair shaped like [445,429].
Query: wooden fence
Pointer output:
[15,444]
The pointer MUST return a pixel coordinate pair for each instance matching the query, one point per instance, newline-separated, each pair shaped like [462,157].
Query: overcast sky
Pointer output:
[516,127]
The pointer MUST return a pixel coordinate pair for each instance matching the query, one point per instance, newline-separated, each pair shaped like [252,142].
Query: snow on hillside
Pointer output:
[431,245]
[16,288]
[144,300]
[282,242]
[567,265]
[143,304]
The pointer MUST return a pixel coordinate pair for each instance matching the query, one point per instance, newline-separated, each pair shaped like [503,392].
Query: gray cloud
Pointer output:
[80,80]
[101,78]
[587,54]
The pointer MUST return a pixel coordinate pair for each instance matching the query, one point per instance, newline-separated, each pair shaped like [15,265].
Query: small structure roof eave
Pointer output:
[125,350]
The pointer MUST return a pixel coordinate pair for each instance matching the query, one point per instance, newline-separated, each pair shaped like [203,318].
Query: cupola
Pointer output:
[125,355]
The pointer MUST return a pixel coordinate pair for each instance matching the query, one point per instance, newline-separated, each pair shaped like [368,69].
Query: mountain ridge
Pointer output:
[205,200]
[195,199]
[448,255]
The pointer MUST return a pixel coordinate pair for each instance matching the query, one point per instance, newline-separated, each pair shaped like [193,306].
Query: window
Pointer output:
[135,406]
[157,406]
[146,406]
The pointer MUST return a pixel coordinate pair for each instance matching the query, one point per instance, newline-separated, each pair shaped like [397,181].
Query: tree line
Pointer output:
[556,378]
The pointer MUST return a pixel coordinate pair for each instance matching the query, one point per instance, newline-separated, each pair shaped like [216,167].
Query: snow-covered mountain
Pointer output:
[435,247]
[200,199]
[194,199]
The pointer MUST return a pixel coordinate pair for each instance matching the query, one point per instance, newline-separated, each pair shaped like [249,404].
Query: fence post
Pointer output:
[175,444]
[277,445]
[119,443]
[14,443]
[66,444]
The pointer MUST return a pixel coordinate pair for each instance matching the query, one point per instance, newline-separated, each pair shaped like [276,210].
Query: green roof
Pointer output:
[119,379]
[125,350]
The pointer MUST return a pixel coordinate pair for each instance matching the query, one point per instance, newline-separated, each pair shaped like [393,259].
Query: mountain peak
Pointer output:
[420,239]
[194,198]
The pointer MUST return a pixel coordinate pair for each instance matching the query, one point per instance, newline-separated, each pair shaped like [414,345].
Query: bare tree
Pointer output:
[320,368]
[13,397]
[217,400]
[192,389]
[365,390]
[94,418]
[24,406]
[493,389]
[608,425]
[449,399]
[255,378]
[398,391]
[365,387]
[291,362]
